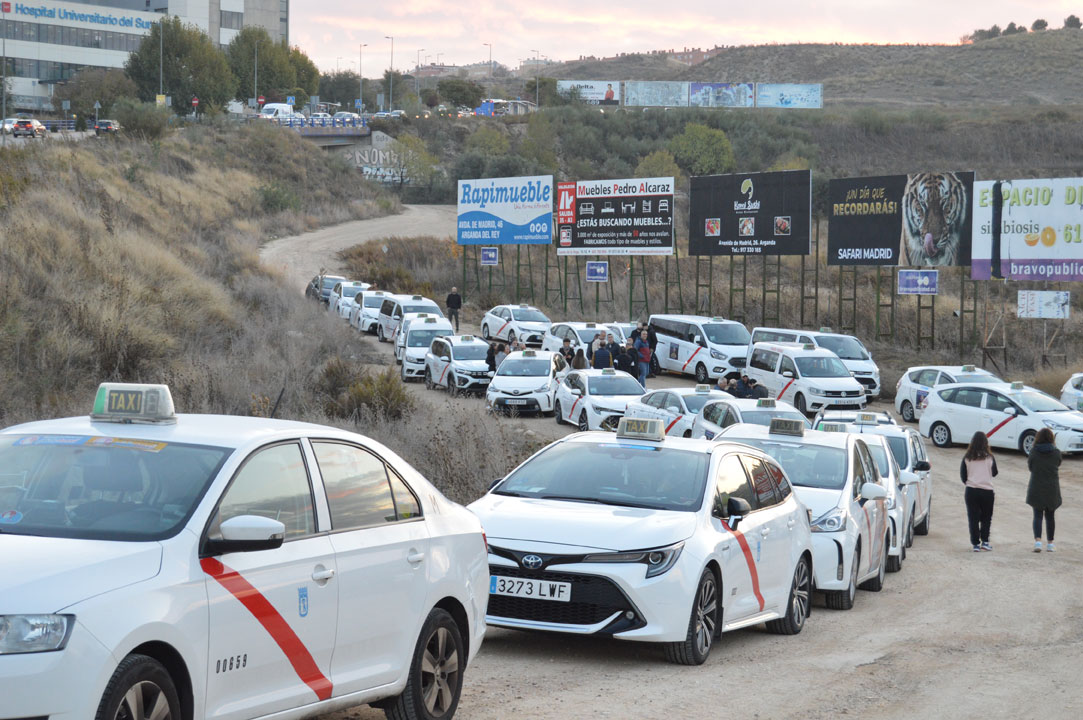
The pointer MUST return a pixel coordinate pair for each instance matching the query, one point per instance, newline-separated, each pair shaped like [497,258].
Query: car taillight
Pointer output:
[925,402]
[485,541]
[898,385]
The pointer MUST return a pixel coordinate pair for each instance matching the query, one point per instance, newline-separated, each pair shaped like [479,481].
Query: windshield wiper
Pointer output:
[509,493]
[598,501]
[573,498]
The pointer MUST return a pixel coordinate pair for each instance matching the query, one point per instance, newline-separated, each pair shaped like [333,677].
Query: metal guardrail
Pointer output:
[330,123]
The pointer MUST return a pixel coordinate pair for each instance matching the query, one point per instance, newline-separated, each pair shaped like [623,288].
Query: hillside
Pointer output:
[1027,69]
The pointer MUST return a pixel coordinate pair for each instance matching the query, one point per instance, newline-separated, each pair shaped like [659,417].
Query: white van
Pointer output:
[700,346]
[807,377]
[276,111]
[395,306]
[854,355]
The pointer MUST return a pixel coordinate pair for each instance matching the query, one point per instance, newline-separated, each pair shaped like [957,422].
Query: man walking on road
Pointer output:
[454,304]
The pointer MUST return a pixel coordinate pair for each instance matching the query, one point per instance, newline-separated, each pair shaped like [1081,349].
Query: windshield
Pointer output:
[428,308]
[614,474]
[469,352]
[821,367]
[898,449]
[374,302]
[764,417]
[614,385]
[330,282]
[847,348]
[587,334]
[528,315]
[350,291]
[423,338]
[813,466]
[726,333]
[695,403]
[97,488]
[524,367]
[1038,402]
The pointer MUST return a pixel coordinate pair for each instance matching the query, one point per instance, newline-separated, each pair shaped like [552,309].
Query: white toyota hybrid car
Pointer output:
[677,408]
[526,381]
[914,385]
[647,537]
[595,399]
[196,566]
[515,322]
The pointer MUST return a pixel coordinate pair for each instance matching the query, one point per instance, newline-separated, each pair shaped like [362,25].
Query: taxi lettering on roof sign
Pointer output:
[867,419]
[133,403]
[1017,385]
[703,388]
[968,368]
[832,427]
[641,429]
[765,403]
[786,426]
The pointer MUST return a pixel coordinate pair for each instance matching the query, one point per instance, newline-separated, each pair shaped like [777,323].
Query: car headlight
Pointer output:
[832,521]
[34,633]
[415,360]
[715,355]
[604,409]
[815,391]
[658,560]
[543,388]
[1055,426]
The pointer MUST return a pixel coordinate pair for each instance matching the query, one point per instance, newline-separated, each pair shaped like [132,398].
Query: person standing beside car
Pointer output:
[454,303]
[977,471]
[1043,490]
[643,347]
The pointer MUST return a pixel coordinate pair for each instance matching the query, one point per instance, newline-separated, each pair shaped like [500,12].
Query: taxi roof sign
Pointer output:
[592,324]
[703,388]
[808,346]
[1017,385]
[832,427]
[133,403]
[641,429]
[430,320]
[608,371]
[467,338]
[786,426]
[825,329]
[418,297]
[867,418]
[968,368]
[765,403]
[529,353]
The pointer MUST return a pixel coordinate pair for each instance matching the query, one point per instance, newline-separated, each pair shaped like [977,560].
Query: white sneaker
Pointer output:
[1037,546]
[1050,548]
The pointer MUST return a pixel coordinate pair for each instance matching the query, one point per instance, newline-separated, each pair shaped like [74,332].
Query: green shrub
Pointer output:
[278,197]
[871,122]
[145,120]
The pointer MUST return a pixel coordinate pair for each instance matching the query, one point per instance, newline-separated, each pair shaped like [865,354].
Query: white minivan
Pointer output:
[700,346]
[807,377]
[276,111]
[395,306]
[854,355]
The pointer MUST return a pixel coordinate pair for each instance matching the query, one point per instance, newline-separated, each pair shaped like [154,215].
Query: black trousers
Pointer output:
[1050,524]
[979,511]
[453,314]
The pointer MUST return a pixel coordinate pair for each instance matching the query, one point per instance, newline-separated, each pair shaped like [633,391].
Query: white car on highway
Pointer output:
[719,414]
[515,322]
[595,399]
[647,537]
[457,363]
[677,408]
[195,566]
[365,315]
[418,339]
[394,307]
[1072,392]
[526,381]
[916,382]
[834,475]
[1010,415]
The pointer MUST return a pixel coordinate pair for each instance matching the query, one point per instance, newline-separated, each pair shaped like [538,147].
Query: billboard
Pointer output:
[920,220]
[721,94]
[750,214]
[789,95]
[918,282]
[1041,230]
[616,217]
[592,92]
[1044,304]
[655,93]
[506,211]
[598,271]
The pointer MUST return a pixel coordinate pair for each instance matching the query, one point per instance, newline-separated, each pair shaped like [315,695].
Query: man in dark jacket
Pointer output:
[612,345]
[652,340]
[602,358]
[625,359]
[755,390]
[742,390]
[454,304]
[567,352]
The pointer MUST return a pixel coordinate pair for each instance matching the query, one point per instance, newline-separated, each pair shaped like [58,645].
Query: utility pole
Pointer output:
[255,73]
[361,72]
[391,76]
[4,85]
[417,86]
[490,45]
[537,81]
[161,52]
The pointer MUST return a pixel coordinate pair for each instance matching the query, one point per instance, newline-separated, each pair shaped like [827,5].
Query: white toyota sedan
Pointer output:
[677,408]
[718,414]
[916,383]
[644,537]
[515,322]
[595,399]
[195,566]
[1072,392]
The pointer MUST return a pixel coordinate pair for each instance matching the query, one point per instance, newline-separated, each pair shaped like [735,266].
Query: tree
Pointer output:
[461,92]
[92,84]
[393,86]
[145,120]
[701,150]
[415,162]
[340,87]
[306,72]
[430,97]
[1072,22]
[193,67]
[276,73]
[1039,25]
[544,89]
[1014,29]
[659,163]
[540,142]
[488,141]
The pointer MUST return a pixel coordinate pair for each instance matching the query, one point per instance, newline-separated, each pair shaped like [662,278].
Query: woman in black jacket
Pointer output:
[1043,490]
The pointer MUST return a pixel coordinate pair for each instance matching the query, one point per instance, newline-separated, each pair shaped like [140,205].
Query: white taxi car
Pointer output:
[834,475]
[916,382]
[526,381]
[515,322]
[418,339]
[1072,392]
[190,566]
[579,333]
[340,301]
[1010,415]
[622,331]
[702,346]
[853,416]
[853,353]
[404,327]
[365,315]
[677,408]
[457,362]
[595,399]
[636,537]
[719,414]
[808,377]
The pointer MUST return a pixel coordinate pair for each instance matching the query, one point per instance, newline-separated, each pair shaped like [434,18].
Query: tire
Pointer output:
[922,528]
[844,599]
[940,434]
[511,337]
[1026,443]
[894,562]
[584,424]
[429,384]
[907,411]
[139,687]
[800,604]
[701,374]
[799,404]
[436,670]
[702,625]
[402,373]
[556,412]
[380,333]
[655,368]
[687,434]
[910,531]
[452,385]
[485,331]
[876,584]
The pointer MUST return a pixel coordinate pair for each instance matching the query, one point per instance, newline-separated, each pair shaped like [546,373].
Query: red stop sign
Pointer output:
[195,101]
[261,99]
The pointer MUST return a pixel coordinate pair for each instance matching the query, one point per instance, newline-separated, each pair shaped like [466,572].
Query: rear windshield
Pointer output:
[764,417]
[330,282]
[587,334]
[427,307]
[423,338]
[695,403]
[814,466]
[350,291]
[99,488]
[374,302]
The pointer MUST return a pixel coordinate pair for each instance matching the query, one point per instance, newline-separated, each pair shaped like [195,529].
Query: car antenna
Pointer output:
[275,408]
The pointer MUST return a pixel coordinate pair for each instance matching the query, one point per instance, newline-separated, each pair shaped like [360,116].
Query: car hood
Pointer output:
[581,525]
[45,575]
[507,382]
[532,326]
[818,500]
[1070,418]
[619,402]
[415,352]
[471,365]
[865,366]
[840,383]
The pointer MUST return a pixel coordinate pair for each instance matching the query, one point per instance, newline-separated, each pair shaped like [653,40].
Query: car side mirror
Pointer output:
[872,491]
[736,510]
[673,409]
[1009,411]
[246,533]
[577,391]
[699,341]
[907,478]
[787,374]
[922,466]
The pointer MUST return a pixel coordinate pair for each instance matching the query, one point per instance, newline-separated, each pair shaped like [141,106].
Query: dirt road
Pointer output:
[954,634]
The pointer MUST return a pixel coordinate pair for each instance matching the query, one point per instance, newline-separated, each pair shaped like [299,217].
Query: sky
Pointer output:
[455,32]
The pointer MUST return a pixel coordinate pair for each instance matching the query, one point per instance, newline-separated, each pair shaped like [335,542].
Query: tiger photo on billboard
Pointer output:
[935,212]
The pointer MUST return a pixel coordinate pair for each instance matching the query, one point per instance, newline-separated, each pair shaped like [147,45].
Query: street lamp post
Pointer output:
[391,76]
[537,81]
[161,53]
[255,73]
[490,46]
[361,72]
[417,86]
[4,85]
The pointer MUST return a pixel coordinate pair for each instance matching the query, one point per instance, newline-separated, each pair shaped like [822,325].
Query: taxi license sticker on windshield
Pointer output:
[52,440]
[147,445]
[10,517]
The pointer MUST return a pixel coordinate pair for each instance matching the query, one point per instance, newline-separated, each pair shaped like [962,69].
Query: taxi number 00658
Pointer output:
[539,589]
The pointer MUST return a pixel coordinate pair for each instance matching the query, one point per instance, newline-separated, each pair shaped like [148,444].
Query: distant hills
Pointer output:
[1036,68]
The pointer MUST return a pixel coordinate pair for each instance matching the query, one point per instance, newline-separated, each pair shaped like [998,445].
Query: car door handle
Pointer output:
[765,532]
[791,523]
[415,557]
[322,574]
